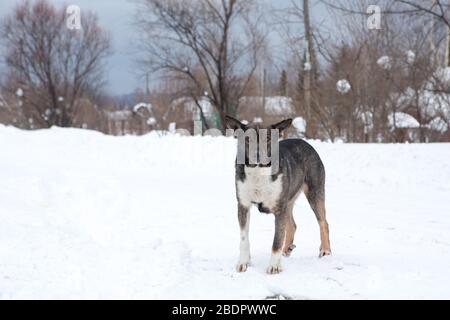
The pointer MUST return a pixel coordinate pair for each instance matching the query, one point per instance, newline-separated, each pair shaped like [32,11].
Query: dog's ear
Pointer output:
[282,125]
[234,124]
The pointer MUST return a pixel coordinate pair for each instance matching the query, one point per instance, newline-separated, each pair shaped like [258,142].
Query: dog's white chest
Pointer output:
[259,187]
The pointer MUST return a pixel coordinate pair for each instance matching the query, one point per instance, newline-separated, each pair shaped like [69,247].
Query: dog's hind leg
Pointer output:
[316,199]
[291,227]
[244,224]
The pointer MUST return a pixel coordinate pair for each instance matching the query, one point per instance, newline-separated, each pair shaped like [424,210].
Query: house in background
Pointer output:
[137,120]
[404,127]
[430,103]
[265,111]
[118,122]
[182,113]
[143,118]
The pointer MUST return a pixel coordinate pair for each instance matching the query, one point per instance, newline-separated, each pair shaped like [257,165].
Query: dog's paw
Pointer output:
[324,252]
[242,267]
[274,269]
[287,252]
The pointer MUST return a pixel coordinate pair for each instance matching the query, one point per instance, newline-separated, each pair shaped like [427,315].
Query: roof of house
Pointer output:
[143,105]
[402,121]
[273,106]
[120,115]
[188,104]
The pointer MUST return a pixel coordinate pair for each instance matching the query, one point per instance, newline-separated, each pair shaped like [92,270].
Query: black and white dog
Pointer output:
[299,169]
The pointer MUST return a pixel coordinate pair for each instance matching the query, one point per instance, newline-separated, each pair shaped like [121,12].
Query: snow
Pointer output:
[402,121]
[343,86]
[367,119]
[410,57]
[47,114]
[431,103]
[299,124]
[85,215]
[188,104]
[257,120]
[279,105]
[438,124]
[273,105]
[384,62]
[307,66]
[442,75]
[143,105]
[19,92]
[119,115]
[172,127]
[151,121]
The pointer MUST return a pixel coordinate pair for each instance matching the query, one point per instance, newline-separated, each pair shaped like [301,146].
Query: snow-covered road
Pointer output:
[83,215]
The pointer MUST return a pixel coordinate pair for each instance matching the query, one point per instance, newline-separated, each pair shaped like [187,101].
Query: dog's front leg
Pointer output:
[244,223]
[278,241]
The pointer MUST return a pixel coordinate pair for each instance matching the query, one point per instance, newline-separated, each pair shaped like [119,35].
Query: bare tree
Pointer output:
[52,65]
[283,83]
[303,38]
[434,13]
[213,45]
[412,39]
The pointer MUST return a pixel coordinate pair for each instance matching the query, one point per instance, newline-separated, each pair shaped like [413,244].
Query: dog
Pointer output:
[300,169]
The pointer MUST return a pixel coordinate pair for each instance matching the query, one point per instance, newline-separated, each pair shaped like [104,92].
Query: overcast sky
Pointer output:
[116,16]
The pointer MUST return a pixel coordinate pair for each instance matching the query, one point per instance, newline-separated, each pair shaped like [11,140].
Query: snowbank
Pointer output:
[86,215]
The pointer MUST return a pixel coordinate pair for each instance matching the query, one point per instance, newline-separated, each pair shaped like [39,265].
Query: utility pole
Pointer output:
[447,48]
[147,91]
[264,90]
[431,40]
[308,61]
